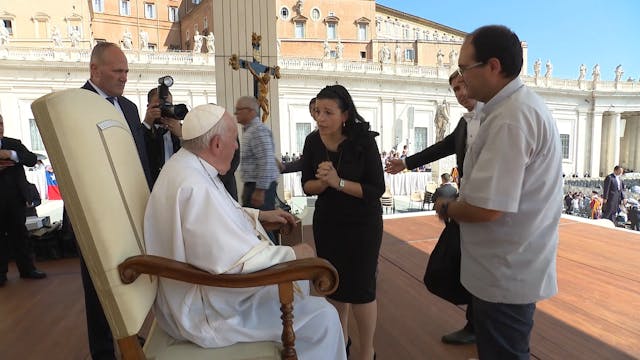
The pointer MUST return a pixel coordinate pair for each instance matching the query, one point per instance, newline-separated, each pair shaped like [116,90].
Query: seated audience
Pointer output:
[446,190]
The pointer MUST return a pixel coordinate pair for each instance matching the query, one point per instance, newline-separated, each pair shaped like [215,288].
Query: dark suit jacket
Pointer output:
[612,192]
[13,181]
[446,191]
[154,141]
[130,111]
[456,142]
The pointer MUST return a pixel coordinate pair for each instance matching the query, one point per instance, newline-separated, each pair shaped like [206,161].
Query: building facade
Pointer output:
[395,65]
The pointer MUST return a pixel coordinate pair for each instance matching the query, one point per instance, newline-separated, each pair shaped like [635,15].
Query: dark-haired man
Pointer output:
[508,224]
[13,233]
[162,133]
[613,193]
[455,143]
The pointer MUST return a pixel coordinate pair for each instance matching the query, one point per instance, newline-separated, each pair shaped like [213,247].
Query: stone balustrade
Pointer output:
[303,64]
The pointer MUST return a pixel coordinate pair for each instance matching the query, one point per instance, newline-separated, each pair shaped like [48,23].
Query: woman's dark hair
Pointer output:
[498,41]
[355,126]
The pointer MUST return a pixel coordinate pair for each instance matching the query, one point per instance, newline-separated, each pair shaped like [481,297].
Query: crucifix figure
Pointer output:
[261,74]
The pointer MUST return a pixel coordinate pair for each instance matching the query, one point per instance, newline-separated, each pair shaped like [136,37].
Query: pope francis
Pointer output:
[190,217]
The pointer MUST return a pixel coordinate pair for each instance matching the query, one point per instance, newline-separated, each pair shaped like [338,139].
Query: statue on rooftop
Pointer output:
[339,49]
[583,72]
[56,37]
[536,68]
[549,67]
[439,58]
[211,43]
[326,49]
[144,40]
[127,41]
[595,74]
[197,42]
[619,73]
[4,34]
[74,36]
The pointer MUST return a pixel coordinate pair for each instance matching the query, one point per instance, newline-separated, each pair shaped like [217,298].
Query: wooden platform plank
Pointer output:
[595,315]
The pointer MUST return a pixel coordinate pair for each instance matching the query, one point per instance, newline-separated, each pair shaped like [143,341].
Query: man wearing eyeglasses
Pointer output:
[455,143]
[508,224]
[258,166]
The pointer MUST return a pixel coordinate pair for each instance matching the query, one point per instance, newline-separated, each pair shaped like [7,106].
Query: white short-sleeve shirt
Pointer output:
[514,166]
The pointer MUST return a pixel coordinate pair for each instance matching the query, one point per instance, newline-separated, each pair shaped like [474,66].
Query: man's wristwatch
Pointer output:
[341,185]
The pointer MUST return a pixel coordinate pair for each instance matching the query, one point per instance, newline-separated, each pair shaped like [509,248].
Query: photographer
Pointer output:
[163,130]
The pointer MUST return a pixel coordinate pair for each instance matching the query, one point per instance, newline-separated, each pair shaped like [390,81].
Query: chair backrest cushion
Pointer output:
[105,193]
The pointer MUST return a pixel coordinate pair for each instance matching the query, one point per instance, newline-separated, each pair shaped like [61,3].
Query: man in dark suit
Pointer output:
[613,193]
[455,143]
[13,201]
[162,133]
[109,69]
[445,190]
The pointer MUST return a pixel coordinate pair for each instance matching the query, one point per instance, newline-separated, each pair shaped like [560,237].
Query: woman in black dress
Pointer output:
[341,164]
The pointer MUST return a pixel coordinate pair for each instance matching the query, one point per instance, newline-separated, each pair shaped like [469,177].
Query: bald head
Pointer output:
[109,68]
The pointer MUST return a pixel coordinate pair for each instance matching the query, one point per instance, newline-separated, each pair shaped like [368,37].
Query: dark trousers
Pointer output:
[99,333]
[502,330]
[269,200]
[469,315]
[269,196]
[100,337]
[14,237]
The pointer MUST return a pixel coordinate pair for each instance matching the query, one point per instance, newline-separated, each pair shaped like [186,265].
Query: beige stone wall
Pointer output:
[33,21]
[163,34]
[196,16]
[347,11]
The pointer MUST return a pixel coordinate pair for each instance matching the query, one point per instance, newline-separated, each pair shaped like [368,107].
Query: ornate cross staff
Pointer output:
[261,74]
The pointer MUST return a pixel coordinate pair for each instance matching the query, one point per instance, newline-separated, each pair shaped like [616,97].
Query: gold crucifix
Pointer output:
[261,74]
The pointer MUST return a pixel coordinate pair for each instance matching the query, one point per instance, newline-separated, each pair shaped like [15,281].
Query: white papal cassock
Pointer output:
[190,217]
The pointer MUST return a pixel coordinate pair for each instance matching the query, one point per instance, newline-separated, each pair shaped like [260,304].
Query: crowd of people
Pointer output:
[615,203]
[195,215]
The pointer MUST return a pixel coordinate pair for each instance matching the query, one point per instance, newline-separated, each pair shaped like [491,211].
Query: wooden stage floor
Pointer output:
[595,315]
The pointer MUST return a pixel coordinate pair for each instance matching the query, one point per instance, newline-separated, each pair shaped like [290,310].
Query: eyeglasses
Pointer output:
[462,69]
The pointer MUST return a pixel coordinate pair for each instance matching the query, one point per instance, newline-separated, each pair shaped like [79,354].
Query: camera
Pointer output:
[178,111]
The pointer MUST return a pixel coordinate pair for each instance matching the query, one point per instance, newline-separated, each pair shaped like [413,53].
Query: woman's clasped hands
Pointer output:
[328,174]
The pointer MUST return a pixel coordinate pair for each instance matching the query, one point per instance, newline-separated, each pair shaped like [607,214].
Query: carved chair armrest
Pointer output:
[322,274]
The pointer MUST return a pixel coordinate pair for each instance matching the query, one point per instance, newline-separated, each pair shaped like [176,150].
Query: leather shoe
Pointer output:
[34,274]
[3,280]
[460,337]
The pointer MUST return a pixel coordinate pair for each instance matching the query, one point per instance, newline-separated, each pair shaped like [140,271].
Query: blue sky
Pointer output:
[567,32]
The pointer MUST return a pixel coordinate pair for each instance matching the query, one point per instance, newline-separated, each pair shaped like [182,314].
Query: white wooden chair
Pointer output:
[105,192]
[387,201]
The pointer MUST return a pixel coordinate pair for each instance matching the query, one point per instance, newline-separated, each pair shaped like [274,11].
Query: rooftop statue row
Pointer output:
[582,72]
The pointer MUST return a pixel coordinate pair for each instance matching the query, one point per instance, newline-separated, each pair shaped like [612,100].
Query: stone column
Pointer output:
[596,146]
[632,140]
[610,154]
[582,132]
[626,128]
[233,23]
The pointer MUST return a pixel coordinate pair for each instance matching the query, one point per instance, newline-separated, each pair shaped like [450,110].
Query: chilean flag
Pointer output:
[53,191]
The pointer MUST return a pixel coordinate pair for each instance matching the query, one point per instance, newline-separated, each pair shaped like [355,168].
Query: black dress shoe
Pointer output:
[3,280]
[34,274]
[460,337]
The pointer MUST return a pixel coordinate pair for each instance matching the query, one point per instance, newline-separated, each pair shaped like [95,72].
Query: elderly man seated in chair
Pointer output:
[190,217]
